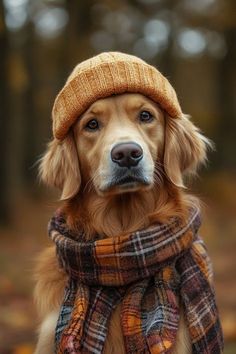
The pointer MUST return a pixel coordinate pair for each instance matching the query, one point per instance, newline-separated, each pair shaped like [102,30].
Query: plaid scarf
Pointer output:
[149,272]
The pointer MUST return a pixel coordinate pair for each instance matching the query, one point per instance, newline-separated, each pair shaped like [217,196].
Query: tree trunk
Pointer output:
[4,121]
[225,141]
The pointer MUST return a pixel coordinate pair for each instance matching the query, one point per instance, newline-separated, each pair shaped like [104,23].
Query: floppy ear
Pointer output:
[59,167]
[185,149]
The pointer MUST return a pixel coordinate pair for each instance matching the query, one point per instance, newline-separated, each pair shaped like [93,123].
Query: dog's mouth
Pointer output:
[125,183]
[128,181]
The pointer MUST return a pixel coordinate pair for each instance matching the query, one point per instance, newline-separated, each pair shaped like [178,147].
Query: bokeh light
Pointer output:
[16,14]
[50,22]
[192,42]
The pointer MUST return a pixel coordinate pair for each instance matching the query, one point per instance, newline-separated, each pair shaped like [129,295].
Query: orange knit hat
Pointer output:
[104,75]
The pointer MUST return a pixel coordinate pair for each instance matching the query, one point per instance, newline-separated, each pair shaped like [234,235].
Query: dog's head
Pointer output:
[121,144]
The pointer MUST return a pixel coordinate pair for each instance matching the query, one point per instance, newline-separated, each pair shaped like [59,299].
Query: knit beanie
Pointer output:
[107,74]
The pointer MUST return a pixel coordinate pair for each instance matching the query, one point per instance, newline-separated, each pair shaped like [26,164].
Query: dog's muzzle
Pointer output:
[127,166]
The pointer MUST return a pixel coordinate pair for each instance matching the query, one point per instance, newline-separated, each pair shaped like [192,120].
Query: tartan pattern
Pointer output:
[149,272]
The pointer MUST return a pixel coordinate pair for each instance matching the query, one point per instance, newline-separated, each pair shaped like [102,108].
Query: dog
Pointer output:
[121,152]
[127,132]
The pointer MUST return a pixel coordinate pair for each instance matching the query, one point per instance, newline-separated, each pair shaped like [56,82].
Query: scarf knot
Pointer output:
[149,272]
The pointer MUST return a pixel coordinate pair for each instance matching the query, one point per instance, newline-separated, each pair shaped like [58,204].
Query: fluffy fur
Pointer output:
[79,166]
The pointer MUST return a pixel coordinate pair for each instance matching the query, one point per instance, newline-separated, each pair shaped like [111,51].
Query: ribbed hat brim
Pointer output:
[107,78]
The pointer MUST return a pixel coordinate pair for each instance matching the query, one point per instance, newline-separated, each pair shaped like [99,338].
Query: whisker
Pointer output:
[158,174]
[88,185]
[160,169]
[91,180]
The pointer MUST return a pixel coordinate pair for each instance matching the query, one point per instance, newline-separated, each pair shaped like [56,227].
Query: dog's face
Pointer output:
[122,144]
[118,140]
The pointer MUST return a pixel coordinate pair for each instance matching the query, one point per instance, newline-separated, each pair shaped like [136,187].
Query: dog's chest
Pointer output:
[115,344]
[114,341]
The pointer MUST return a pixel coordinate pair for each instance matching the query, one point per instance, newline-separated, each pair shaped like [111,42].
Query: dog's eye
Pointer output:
[92,125]
[145,116]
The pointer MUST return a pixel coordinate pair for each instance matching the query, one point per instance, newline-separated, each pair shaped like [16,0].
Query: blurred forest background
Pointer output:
[193,42]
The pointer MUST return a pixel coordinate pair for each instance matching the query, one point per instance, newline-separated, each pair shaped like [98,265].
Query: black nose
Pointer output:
[127,154]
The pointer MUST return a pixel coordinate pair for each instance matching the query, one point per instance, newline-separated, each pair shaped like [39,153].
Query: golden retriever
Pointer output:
[120,168]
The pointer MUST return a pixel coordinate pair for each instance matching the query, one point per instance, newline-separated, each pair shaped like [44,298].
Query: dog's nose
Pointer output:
[127,154]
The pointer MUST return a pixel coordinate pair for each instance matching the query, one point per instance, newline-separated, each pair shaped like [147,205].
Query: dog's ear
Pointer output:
[59,167]
[185,149]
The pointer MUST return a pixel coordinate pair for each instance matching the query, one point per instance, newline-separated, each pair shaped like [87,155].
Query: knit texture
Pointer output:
[150,272]
[104,75]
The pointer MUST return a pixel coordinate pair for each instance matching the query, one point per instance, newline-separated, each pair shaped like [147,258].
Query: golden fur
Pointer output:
[79,166]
